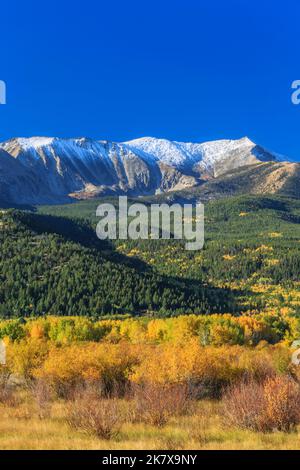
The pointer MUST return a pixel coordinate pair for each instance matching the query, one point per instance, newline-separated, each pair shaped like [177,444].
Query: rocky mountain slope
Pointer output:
[42,170]
[282,178]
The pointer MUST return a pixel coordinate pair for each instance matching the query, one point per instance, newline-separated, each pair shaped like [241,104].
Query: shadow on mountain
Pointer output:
[22,207]
[81,232]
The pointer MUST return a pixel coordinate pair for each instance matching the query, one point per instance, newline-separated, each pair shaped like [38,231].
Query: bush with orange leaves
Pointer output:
[208,370]
[264,407]
[282,402]
[69,366]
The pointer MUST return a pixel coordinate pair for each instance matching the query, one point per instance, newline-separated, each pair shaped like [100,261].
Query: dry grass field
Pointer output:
[22,428]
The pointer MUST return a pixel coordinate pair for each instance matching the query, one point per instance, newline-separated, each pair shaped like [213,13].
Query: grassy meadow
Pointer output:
[21,428]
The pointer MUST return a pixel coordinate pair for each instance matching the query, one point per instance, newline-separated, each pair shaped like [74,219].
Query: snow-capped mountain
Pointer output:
[213,158]
[41,170]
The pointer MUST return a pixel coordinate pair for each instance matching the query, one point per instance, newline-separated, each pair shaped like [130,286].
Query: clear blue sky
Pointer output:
[187,70]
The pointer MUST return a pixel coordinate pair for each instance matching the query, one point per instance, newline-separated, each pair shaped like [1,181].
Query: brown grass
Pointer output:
[91,421]
[19,431]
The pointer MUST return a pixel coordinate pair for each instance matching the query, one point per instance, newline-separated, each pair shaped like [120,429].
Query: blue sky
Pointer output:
[183,70]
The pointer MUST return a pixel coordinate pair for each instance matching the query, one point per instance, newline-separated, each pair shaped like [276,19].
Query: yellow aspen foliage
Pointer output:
[71,364]
[158,330]
[25,356]
[134,330]
[254,330]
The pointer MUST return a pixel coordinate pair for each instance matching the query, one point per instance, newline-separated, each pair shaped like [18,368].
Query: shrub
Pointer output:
[282,403]
[25,356]
[244,405]
[73,365]
[156,404]
[6,391]
[263,407]
[42,393]
[94,415]
[207,368]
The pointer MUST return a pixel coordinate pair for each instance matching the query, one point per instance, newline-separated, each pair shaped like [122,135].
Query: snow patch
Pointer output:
[34,142]
[175,153]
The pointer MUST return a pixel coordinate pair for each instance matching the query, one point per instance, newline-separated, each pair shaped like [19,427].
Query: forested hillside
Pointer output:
[53,265]
[251,247]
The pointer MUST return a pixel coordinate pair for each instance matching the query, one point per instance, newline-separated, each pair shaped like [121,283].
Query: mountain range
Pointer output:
[42,170]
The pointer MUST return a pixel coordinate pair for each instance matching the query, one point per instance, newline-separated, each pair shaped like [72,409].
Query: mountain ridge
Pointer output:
[43,170]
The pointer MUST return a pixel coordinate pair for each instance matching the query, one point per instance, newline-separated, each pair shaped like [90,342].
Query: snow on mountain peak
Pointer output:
[164,150]
[182,153]
[34,142]
[204,157]
[37,147]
